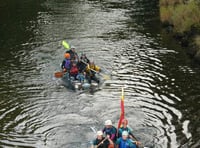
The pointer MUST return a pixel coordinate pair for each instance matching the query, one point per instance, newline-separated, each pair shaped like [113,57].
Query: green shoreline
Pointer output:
[182,19]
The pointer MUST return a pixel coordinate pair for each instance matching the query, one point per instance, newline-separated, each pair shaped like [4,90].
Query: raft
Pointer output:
[75,85]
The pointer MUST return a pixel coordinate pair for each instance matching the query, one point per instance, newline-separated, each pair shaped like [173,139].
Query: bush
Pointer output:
[197,40]
[170,2]
[182,16]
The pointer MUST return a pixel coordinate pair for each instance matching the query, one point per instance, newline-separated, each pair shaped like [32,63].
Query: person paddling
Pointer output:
[91,71]
[72,53]
[74,71]
[102,142]
[110,130]
[66,64]
[129,130]
[82,63]
[124,141]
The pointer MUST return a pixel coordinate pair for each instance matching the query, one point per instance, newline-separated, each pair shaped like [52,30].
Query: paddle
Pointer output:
[106,77]
[59,74]
[65,44]
[102,142]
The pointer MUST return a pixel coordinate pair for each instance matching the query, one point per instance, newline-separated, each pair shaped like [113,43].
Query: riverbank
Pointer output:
[182,19]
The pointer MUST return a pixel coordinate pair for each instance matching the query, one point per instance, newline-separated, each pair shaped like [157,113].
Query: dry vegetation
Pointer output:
[180,13]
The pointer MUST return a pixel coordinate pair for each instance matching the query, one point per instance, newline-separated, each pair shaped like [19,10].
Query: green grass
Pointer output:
[181,15]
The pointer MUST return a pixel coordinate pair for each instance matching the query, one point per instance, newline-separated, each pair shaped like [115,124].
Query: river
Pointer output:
[123,37]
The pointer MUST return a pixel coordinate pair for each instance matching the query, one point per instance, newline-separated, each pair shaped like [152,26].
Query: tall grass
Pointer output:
[180,14]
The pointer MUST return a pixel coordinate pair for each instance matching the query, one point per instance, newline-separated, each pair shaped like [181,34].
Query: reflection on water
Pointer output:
[125,39]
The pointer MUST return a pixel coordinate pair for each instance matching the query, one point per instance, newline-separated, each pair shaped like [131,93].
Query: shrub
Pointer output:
[197,40]
[182,16]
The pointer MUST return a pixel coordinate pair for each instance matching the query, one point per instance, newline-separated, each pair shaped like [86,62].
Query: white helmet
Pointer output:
[124,133]
[108,122]
[72,47]
[99,133]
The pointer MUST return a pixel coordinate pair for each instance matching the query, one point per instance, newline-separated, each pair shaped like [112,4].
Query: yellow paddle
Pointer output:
[65,44]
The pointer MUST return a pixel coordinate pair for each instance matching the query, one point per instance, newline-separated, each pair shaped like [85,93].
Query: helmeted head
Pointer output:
[124,135]
[73,48]
[67,55]
[73,64]
[99,134]
[108,123]
[125,122]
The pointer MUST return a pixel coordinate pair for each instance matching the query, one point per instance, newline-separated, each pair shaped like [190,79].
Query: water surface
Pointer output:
[125,38]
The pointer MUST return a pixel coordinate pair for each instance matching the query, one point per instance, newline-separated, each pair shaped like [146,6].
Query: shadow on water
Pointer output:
[124,37]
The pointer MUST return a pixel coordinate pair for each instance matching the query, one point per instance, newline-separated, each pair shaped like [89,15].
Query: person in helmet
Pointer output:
[83,62]
[110,130]
[102,142]
[124,141]
[127,129]
[73,53]
[66,64]
[91,71]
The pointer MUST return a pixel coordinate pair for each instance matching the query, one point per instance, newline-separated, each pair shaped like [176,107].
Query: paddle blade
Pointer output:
[106,77]
[58,74]
[65,44]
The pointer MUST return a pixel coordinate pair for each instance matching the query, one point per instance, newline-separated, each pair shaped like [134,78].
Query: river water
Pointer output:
[125,38]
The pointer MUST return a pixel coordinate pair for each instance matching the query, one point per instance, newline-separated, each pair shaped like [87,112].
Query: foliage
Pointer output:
[170,2]
[181,14]
[197,40]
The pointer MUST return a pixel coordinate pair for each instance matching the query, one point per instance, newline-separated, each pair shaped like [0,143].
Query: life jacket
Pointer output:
[67,63]
[103,145]
[125,143]
[74,70]
[90,69]
[111,131]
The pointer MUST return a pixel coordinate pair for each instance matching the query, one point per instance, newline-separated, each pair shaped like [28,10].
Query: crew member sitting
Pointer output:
[66,64]
[74,71]
[102,142]
[91,70]
[124,141]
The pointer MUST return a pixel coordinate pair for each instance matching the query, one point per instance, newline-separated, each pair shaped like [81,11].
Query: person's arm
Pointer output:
[134,138]
[94,144]
[63,64]
[112,136]
[97,68]
[117,143]
[110,141]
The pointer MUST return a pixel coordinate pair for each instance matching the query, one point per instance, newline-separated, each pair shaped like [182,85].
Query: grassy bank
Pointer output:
[181,14]
[183,17]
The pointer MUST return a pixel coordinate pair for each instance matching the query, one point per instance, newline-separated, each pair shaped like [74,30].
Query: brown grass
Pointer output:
[182,16]
[170,2]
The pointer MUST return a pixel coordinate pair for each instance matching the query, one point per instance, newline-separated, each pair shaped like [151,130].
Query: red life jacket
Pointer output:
[74,70]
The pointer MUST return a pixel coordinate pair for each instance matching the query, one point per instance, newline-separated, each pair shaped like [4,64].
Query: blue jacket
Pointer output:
[125,143]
